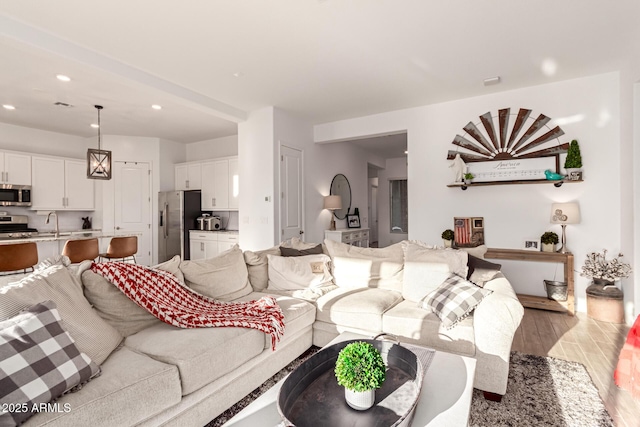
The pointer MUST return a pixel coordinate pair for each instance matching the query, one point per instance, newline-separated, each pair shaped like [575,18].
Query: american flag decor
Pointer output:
[468,232]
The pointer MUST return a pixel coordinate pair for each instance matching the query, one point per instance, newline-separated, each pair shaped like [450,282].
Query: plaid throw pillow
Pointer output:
[454,300]
[39,362]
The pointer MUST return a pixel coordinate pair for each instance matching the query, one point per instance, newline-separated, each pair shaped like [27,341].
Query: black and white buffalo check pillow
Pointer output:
[39,362]
[454,300]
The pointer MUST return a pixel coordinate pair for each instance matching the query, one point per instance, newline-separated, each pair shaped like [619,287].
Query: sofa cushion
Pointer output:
[360,308]
[93,336]
[454,300]
[224,277]
[114,306]
[481,270]
[298,315]
[416,325]
[173,267]
[257,267]
[299,272]
[39,361]
[131,388]
[202,354]
[477,251]
[355,267]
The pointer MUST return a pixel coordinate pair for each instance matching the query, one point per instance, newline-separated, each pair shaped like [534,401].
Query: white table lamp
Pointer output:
[563,214]
[332,203]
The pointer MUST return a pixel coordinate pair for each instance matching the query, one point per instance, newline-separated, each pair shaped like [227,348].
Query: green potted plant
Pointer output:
[360,370]
[549,241]
[447,238]
[468,177]
[573,162]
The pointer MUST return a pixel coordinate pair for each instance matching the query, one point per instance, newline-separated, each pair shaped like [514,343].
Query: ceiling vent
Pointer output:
[63,104]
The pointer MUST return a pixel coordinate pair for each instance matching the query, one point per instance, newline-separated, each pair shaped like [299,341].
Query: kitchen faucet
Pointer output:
[47,222]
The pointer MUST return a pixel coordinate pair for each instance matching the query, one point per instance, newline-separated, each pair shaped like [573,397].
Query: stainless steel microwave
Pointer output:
[15,195]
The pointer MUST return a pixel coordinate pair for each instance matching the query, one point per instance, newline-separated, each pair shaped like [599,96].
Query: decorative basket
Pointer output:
[556,291]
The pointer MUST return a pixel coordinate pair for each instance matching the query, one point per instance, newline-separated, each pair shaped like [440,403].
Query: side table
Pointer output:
[533,301]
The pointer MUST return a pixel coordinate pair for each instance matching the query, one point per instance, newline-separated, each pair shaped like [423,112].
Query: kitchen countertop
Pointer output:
[215,231]
[68,235]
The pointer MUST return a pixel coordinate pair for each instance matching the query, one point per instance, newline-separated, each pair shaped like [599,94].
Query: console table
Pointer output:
[350,236]
[532,301]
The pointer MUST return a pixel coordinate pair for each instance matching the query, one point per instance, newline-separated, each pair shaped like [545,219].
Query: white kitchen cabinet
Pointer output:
[60,184]
[203,245]
[215,185]
[188,176]
[226,241]
[15,168]
[234,184]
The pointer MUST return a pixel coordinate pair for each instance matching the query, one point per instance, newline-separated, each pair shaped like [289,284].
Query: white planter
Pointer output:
[548,247]
[447,243]
[360,400]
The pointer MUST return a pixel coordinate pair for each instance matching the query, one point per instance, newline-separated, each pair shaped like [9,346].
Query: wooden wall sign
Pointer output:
[499,148]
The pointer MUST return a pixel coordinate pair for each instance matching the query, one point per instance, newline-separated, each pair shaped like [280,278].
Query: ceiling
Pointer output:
[209,62]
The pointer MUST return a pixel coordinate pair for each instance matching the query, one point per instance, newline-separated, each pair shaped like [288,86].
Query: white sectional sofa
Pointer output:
[155,374]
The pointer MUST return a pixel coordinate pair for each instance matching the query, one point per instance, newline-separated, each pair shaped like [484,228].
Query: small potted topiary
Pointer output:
[549,241]
[447,238]
[573,162]
[468,177]
[360,370]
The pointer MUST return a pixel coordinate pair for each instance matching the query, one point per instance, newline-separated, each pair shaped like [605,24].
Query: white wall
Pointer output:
[256,153]
[394,169]
[212,148]
[37,141]
[170,153]
[513,212]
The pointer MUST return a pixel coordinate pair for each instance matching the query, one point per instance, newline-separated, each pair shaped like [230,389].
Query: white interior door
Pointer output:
[291,197]
[132,205]
[374,214]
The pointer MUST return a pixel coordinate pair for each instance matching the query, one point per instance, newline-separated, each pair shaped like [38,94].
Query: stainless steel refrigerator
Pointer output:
[178,213]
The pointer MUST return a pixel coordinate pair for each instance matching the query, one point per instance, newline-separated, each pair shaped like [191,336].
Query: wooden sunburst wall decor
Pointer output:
[508,148]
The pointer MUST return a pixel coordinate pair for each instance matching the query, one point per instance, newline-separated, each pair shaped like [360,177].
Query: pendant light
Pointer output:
[98,161]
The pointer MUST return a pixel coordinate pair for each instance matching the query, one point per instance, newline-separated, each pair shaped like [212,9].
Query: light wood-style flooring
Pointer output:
[594,344]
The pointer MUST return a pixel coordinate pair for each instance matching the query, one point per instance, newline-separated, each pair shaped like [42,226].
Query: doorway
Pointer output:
[291,193]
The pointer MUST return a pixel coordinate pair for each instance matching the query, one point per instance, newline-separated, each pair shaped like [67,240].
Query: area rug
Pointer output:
[542,391]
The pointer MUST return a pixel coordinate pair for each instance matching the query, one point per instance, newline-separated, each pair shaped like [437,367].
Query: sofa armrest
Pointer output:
[495,322]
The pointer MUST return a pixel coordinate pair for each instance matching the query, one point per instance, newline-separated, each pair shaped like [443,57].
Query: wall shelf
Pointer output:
[559,183]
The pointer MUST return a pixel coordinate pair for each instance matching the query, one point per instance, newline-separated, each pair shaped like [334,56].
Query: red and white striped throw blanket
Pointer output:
[161,294]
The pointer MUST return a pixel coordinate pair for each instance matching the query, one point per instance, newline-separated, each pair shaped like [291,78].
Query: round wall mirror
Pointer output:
[340,187]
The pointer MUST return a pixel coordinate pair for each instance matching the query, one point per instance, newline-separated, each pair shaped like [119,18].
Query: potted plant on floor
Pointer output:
[549,241]
[573,162]
[447,238]
[360,370]
[605,272]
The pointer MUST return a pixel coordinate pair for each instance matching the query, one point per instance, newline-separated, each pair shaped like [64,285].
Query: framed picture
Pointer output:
[353,221]
[531,245]
[468,232]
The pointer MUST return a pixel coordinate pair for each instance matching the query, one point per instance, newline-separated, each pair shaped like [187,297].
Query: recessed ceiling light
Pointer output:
[8,107]
[94,125]
[156,107]
[63,78]
[238,74]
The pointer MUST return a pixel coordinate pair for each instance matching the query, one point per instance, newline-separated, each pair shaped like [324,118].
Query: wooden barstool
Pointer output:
[121,248]
[81,250]
[18,256]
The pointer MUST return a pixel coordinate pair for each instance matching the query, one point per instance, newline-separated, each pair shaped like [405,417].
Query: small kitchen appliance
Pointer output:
[212,223]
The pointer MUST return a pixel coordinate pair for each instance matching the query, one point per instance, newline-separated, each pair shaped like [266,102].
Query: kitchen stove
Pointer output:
[15,227]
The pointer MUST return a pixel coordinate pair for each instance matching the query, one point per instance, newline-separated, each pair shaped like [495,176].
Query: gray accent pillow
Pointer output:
[258,267]
[290,252]
[481,270]
[454,300]
[39,362]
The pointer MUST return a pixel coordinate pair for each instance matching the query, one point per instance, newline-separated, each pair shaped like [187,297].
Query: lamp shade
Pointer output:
[332,202]
[565,213]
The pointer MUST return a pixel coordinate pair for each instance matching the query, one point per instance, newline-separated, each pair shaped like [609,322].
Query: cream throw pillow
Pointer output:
[257,266]
[303,272]
[355,267]
[425,269]
[93,335]
[224,277]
